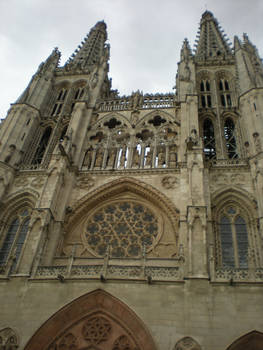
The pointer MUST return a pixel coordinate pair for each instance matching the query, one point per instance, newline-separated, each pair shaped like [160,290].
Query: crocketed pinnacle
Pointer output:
[212,43]
[91,49]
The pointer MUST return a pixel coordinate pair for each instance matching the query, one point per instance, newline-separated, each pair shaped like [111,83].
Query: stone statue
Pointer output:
[148,161]
[123,157]
[111,158]
[99,158]
[88,158]
[136,158]
[161,158]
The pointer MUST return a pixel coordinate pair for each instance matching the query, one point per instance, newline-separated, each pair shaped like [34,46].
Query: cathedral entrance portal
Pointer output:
[95,321]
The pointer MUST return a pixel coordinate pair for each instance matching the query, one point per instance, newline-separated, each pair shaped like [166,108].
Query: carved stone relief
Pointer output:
[85,181]
[96,332]
[223,179]
[36,182]
[170,182]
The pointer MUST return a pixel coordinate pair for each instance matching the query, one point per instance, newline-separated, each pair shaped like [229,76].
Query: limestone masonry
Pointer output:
[135,222]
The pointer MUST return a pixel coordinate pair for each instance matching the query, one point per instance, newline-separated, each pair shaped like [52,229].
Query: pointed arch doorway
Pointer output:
[94,321]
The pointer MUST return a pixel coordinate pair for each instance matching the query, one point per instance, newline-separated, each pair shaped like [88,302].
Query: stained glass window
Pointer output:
[15,238]
[234,238]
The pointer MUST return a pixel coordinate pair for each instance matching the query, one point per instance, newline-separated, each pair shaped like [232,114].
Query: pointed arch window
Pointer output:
[209,139]
[40,152]
[57,109]
[230,139]
[225,95]
[79,93]
[13,242]
[234,238]
[206,101]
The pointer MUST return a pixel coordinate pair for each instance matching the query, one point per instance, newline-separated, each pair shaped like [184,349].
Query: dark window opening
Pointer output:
[209,139]
[223,101]
[203,101]
[42,146]
[231,146]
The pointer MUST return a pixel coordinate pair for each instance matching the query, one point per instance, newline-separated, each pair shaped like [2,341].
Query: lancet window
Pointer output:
[230,139]
[209,139]
[14,239]
[206,101]
[78,94]
[224,91]
[233,231]
[42,146]
[57,109]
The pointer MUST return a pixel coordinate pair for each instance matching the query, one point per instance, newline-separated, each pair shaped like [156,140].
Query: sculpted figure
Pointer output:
[123,157]
[149,159]
[111,159]
[88,158]
[136,158]
[161,158]
[99,158]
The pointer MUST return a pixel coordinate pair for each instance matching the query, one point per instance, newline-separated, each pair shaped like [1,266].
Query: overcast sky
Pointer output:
[145,37]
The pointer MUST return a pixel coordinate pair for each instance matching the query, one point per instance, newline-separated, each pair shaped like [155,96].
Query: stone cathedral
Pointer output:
[135,222]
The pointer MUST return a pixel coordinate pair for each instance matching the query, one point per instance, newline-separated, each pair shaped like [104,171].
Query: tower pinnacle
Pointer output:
[92,48]
[212,43]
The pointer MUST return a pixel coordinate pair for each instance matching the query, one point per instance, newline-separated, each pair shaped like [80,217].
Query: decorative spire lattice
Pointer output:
[211,42]
[91,49]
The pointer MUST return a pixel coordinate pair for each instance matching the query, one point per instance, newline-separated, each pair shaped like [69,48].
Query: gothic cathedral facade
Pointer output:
[135,222]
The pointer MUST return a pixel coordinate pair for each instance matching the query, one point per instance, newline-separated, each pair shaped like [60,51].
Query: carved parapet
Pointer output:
[169,270]
[232,275]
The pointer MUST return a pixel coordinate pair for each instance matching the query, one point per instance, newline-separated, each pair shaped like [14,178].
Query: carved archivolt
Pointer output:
[17,201]
[237,194]
[95,321]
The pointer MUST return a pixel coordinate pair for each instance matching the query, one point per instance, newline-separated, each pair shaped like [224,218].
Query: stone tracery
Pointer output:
[114,143]
[125,226]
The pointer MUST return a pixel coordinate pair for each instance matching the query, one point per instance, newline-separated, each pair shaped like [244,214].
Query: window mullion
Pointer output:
[235,246]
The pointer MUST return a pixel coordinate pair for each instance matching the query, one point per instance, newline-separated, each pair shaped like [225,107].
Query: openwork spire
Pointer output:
[212,43]
[92,48]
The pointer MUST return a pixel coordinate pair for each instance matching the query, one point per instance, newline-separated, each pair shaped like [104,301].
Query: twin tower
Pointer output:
[135,222]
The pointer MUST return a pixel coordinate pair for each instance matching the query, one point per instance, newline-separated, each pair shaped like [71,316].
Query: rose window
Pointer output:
[125,227]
